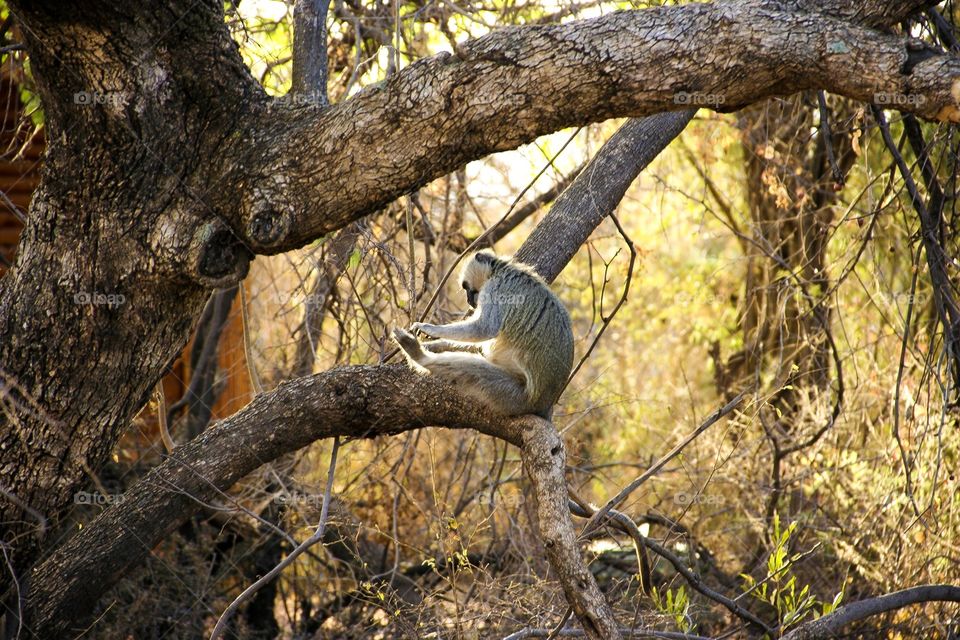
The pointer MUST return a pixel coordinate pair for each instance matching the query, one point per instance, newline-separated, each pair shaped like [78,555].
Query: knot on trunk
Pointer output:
[268,215]
[220,256]
[204,249]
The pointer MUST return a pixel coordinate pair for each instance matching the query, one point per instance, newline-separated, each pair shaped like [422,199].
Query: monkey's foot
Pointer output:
[408,342]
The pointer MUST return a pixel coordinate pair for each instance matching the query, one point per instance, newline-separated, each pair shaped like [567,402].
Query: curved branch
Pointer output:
[328,167]
[351,402]
[354,402]
[299,550]
[829,625]
[358,402]
[544,460]
[873,13]
[301,171]
[625,523]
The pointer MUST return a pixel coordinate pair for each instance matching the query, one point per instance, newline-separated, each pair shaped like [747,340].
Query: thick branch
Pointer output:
[872,13]
[230,450]
[325,168]
[306,170]
[356,402]
[545,461]
[235,447]
[597,191]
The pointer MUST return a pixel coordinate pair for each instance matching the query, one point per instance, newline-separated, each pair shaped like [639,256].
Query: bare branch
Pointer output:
[598,190]
[316,537]
[598,519]
[624,523]
[544,459]
[873,13]
[351,402]
[829,625]
[310,52]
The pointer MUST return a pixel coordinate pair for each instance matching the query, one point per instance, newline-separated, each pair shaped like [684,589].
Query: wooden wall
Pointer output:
[20,151]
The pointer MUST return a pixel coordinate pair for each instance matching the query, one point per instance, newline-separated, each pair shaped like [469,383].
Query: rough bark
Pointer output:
[309,82]
[544,460]
[508,87]
[871,13]
[146,517]
[121,246]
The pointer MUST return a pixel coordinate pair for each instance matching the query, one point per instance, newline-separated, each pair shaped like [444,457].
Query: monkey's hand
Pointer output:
[425,328]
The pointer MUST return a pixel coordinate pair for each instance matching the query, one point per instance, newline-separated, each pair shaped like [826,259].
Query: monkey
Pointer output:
[514,353]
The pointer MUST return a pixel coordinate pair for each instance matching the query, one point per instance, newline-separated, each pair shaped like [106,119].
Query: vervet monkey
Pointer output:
[514,353]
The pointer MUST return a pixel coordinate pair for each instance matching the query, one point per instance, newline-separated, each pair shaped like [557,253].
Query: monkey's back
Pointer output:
[536,336]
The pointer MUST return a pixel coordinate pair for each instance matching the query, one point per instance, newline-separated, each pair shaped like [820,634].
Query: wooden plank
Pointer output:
[9,236]
[19,167]
[25,185]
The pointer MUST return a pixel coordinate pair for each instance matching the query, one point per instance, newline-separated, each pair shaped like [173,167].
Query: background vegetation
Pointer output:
[757,268]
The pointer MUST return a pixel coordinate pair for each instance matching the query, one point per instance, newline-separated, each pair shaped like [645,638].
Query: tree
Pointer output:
[168,169]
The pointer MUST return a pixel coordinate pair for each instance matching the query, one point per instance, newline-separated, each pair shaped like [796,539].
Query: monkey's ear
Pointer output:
[484,256]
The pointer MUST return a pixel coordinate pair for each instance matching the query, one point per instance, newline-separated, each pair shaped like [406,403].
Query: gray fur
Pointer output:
[440,346]
[526,336]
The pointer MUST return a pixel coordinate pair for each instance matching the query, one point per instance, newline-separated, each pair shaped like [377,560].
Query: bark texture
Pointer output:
[597,191]
[123,241]
[545,461]
[829,626]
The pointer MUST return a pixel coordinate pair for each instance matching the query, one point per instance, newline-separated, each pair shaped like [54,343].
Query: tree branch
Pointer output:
[829,625]
[597,191]
[544,460]
[510,86]
[300,171]
[871,13]
[351,402]
[309,82]
[235,447]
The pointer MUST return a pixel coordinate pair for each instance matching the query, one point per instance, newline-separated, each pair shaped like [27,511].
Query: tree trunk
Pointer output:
[123,240]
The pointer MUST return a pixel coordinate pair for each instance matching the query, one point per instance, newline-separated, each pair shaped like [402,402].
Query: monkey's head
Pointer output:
[475,274]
